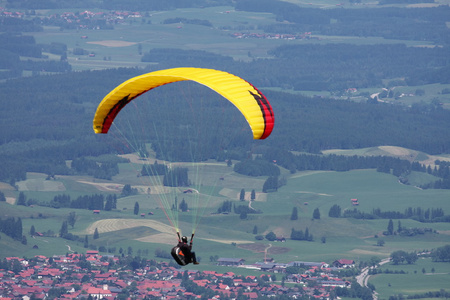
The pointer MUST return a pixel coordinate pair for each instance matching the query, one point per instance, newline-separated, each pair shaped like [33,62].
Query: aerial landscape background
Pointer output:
[357,166]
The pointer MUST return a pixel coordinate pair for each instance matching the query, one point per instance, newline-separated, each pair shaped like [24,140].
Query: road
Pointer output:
[363,278]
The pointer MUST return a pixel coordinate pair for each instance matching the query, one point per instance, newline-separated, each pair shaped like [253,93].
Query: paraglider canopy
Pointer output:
[250,101]
[183,133]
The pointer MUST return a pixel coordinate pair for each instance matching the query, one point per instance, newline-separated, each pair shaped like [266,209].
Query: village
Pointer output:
[76,20]
[95,276]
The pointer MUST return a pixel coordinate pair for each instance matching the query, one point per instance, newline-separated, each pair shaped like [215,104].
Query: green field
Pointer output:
[119,47]
[228,235]
[345,238]
[414,281]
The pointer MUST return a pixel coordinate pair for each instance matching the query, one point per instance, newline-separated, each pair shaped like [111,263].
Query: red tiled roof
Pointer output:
[346,261]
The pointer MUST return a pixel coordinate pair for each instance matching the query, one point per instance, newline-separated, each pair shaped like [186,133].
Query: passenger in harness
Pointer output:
[182,252]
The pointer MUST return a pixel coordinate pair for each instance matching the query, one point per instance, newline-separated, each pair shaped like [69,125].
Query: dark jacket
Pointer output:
[186,249]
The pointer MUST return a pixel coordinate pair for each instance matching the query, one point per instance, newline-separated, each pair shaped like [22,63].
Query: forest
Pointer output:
[427,24]
[56,126]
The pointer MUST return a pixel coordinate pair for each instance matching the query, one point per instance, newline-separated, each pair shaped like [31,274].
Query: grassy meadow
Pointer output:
[120,47]
[228,235]
[424,276]
[220,235]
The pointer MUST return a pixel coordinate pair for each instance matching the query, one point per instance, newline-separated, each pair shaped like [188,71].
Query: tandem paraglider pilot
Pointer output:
[182,253]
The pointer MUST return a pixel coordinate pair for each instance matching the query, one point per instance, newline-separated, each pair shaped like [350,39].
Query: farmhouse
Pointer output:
[271,267]
[344,263]
[307,264]
[230,261]
[334,283]
[99,293]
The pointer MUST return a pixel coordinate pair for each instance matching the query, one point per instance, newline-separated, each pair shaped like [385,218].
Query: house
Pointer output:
[307,264]
[96,211]
[355,202]
[344,263]
[230,261]
[281,239]
[99,293]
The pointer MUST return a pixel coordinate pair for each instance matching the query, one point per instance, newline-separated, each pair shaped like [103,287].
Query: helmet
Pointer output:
[184,239]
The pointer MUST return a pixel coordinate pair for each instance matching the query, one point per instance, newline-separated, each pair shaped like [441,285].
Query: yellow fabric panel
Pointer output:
[233,88]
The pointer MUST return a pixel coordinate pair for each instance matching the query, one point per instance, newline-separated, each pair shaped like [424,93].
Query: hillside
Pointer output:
[357,166]
[399,152]
[305,190]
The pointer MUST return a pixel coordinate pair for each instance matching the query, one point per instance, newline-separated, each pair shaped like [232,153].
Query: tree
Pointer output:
[374,261]
[390,228]
[242,195]
[294,214]
[380,242]
[64,229]
[297,235]
[253,195]
[96,235]
[128,191]
[316,214]
[271,184]
[271,236]
[86,242]
[255,229]
[136,208]
[22,200]
[2,197]
[71,219]
[184,206]
[420,92]
[400,256]
[32,230]
[335,211]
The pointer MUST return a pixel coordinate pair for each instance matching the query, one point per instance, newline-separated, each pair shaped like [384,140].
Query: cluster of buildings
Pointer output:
[64,277]
[110,17]
[82,19]
[273,36]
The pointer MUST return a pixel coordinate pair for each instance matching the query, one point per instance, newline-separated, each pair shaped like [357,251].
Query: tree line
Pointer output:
[441,254]
[12,227]
[303,124]
[428,215]
[13,46]
[91,202]
[392,22]
[398,167]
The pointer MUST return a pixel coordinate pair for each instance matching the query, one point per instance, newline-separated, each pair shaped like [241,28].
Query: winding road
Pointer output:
[363,278]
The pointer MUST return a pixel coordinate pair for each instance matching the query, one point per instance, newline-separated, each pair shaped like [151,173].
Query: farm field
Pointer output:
[424,276]
[120,47]
[228,235]
[364,3]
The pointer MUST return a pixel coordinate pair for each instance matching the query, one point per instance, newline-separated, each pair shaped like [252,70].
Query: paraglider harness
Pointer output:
[177,253]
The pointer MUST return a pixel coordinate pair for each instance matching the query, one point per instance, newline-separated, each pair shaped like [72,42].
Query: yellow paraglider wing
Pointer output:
[250,102]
